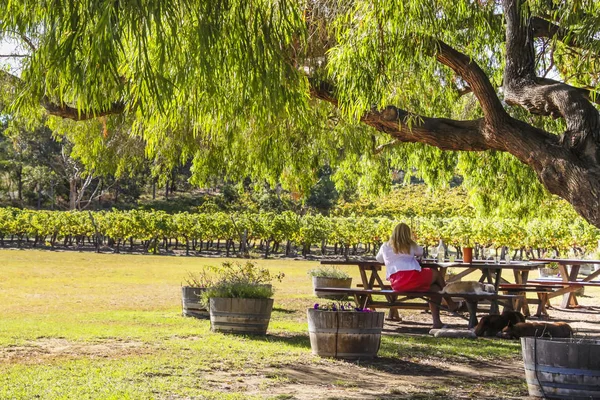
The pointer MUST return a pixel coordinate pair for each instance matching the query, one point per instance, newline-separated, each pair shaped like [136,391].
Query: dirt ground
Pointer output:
[309,380]
[325,379]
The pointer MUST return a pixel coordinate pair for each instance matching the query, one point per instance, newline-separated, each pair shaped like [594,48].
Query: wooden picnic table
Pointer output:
[490,273]
[569,278]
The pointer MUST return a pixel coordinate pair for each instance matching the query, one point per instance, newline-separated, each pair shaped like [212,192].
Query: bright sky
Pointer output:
[7,47]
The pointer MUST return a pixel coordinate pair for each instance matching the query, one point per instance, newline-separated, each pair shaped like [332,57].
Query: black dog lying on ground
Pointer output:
[491,325]
[537,329]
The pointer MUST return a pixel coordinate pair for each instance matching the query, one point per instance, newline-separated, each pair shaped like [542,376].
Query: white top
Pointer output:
[395,262]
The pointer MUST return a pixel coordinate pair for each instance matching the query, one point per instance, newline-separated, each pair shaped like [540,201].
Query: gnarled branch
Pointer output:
[402,126]
[66,111]
[544,96]
[477,80]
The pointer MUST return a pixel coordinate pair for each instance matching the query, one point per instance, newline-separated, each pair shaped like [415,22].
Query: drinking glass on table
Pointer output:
[507,255]
[487,253]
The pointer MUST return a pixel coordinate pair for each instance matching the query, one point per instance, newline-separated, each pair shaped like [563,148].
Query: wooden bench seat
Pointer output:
[558,282]
[394,299]
[542,290]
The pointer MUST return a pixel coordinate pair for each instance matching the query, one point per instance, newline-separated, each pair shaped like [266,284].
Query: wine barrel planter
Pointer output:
[190,301]
[566,369]
[240,315]
[321,281]
[345,334]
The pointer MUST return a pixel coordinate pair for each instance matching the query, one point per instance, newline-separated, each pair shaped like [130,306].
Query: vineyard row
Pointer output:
[283,232]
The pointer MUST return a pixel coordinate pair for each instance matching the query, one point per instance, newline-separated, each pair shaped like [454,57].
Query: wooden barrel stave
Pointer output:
[348,335]
[320,281]
[190,302]
[249,316]
[562,368]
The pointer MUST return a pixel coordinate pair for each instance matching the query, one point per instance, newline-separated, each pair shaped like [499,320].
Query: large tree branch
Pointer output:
[544,28]
[66,111]
[402,126]
[547,29]
[520,58]
[477,80]
[544,96]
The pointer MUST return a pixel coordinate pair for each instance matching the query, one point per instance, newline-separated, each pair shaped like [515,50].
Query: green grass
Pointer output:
[103,326]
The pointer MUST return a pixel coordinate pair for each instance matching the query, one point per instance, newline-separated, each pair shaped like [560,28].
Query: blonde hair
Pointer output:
[401,240]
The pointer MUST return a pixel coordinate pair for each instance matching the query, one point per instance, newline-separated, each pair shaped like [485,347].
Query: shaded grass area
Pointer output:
[103,326]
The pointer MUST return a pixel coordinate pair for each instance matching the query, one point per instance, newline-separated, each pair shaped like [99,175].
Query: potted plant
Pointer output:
[341,330]
[549,271]
[239,301]
[462,228]
[329,277]
[191,292]
[467,252]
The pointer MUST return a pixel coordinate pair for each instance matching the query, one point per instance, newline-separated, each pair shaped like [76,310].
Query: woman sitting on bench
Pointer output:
[404,271]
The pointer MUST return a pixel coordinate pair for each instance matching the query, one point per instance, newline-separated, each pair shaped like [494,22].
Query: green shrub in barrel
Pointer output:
[329,277]
[343,331]
[239,301]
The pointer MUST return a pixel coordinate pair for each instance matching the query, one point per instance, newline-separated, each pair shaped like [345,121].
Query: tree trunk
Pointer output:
[73,194]
[20,183]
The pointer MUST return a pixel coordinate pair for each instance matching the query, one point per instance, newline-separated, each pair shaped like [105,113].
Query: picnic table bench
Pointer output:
[542,290]
[395,299]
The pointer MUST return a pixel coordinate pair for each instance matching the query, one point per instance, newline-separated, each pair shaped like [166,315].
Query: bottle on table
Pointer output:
[441,251]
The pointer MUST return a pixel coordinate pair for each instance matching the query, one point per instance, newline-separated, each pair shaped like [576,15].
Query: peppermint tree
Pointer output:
[502,92]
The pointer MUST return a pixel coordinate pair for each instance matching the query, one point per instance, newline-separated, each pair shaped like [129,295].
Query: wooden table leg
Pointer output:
[362,268]
[522,305]
[541,310]
[591,276]
[494,308]
[569,298]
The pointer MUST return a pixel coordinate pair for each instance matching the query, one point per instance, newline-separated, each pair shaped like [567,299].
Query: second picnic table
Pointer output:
[568,277]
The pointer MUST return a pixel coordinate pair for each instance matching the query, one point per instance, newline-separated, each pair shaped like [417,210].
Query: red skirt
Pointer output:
[417,281]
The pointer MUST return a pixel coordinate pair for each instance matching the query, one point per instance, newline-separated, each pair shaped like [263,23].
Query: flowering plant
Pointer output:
[339,307]
[246,281]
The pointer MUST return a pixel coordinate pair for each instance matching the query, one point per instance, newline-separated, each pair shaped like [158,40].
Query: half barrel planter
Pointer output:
[236,315]
[321,281]
[190,302]
[345,334]
[566,369]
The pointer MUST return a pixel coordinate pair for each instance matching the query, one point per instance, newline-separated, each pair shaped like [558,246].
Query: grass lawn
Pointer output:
[104,326]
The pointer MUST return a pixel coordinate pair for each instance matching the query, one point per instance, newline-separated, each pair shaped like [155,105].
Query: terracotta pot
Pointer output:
[467,255]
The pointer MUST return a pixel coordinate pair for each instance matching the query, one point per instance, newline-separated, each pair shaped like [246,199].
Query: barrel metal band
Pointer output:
[567,386]
[561,370]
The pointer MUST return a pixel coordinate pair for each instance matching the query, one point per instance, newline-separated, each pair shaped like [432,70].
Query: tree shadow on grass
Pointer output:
[283,310]
[300,340]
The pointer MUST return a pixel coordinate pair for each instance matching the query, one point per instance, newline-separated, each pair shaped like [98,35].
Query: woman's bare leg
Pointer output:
[438,280]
